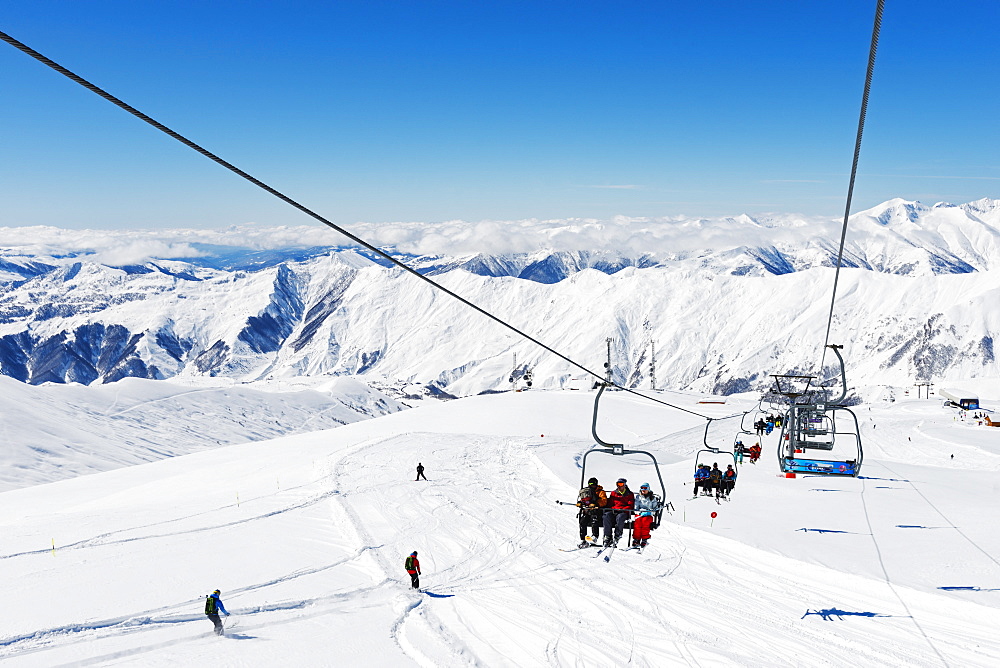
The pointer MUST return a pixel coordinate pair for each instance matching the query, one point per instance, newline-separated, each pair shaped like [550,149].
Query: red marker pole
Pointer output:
[714,515]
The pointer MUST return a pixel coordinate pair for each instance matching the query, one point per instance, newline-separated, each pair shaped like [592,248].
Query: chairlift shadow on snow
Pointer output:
[829,613]
[803,529]
[866,477]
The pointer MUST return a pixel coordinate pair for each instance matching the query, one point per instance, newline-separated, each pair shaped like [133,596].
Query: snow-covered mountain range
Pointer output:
[725,302]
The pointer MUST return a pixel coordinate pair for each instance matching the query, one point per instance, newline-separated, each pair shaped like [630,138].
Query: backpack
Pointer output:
[210,607]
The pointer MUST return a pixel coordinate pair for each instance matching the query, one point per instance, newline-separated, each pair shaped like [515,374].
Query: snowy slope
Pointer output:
[305,536]
[54,432]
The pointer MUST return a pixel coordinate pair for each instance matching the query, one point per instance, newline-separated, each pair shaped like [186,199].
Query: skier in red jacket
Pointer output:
[412,566]
[619,508]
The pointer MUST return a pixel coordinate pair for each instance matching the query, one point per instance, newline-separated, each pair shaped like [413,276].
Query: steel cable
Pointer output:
[876,29]
[309,212]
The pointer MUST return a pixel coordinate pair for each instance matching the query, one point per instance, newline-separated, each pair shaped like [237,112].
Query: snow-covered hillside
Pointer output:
[306,535]
[56,432]
[736,300]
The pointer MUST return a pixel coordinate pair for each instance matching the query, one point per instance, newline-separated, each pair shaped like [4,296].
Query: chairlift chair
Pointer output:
[815,427]
[811,423]
[619,450]
[703,454]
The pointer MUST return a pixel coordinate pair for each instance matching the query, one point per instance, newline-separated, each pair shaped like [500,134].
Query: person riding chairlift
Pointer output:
[646,505]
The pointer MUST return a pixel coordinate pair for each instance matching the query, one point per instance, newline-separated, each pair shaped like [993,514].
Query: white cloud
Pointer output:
[636,235]
[139,251]
[674,234]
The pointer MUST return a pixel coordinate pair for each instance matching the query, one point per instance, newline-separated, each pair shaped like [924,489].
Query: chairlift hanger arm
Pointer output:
[843,372]
[593,426]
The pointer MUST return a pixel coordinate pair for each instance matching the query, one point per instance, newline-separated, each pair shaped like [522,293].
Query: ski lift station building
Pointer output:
[960,398]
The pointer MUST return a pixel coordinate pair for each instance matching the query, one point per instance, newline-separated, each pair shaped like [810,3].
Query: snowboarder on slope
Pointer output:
[213,606]
[420,471]
[412,566]
[591,501]
[619,508]
[646,504]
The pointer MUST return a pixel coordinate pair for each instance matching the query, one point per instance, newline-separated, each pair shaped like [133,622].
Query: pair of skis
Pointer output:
[227,624]
[613,548]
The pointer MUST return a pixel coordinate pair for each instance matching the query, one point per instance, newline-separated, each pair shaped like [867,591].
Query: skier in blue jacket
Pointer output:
[213,606]
[701,475]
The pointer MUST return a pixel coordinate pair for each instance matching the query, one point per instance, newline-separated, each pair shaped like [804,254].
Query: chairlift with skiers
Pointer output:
[713,453]
[619,450]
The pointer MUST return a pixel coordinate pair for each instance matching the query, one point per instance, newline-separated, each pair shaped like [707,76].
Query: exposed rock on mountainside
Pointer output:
[916,302]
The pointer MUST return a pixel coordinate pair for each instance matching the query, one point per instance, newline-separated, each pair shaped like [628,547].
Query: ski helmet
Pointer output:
[592,481]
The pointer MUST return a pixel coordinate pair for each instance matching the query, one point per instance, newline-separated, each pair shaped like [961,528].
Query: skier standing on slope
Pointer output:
[646,504]
[412,566]
[213,606]
[591,501]
[620,505]
[420,471]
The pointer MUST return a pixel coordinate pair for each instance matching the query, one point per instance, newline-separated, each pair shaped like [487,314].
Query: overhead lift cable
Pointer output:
[811,420]
[309,212]
[876,29]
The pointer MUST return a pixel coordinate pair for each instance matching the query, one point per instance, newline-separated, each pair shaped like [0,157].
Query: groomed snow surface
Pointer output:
[306,536]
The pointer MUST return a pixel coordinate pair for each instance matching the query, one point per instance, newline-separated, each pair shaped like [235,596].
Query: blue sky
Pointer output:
[434,111]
